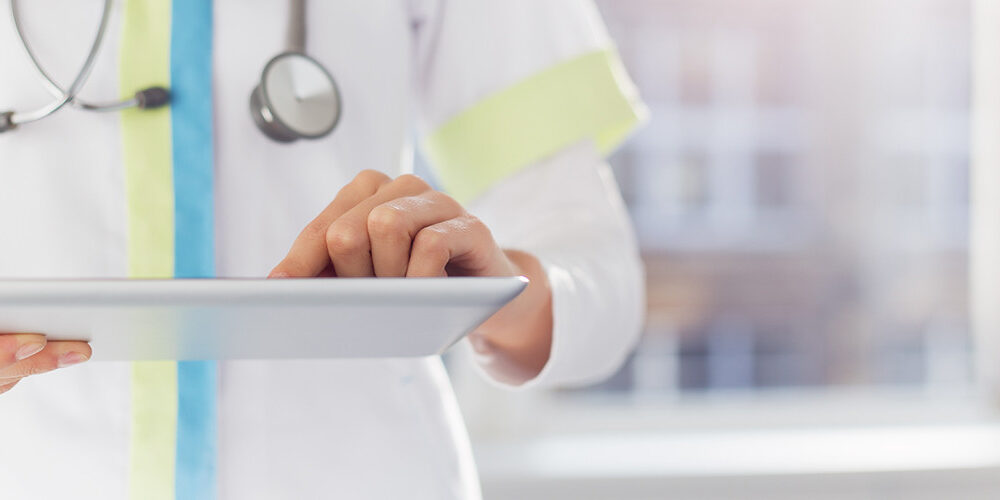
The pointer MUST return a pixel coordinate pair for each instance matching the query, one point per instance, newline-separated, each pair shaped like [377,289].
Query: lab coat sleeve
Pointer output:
[566,210]
[502,85]
[519,102]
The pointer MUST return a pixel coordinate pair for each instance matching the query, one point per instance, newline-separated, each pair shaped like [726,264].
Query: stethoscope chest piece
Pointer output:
[295,99]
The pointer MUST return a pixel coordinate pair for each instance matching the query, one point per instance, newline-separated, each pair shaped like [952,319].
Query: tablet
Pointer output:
[255,318]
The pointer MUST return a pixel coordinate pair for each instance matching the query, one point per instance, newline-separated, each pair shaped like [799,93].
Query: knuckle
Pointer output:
[366,182]
[369,178]
[477,226]
[431,240]
[439,198]
[342,238]
[411,183]
[31,367]
[386,220]
[40,366]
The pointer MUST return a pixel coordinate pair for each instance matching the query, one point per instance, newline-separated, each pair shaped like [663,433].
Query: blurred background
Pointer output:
[802,200]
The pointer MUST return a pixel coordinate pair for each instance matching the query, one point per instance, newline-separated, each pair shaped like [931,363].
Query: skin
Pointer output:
[377,226]
[383,227]
[23,355]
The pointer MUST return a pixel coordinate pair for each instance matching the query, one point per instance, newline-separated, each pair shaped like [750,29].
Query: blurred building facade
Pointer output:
[801,193]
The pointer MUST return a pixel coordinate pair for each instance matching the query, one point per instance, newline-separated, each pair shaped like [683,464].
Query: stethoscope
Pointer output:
[296,97]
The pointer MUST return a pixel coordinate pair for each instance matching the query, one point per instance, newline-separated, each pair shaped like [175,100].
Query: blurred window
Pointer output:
[774,181]
[801,194]
[801,198]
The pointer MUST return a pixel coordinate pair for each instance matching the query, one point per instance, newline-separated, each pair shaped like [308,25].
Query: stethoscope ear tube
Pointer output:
[296,97]
[149,98]
[66,96]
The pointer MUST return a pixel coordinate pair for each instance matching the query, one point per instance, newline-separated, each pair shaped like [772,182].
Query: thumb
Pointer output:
[15,347]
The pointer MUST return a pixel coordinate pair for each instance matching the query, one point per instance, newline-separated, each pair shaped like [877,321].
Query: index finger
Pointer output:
[308,256]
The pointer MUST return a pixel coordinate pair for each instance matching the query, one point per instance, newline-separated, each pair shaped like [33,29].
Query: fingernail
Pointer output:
[279,275]
[70,359]
[28,350]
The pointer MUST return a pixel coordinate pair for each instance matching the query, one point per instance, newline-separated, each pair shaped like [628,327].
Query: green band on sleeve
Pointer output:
[589,97]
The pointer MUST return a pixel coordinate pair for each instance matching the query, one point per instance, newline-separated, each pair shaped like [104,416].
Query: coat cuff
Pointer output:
[558,370]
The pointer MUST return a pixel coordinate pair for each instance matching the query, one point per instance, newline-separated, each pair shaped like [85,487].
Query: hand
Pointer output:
[383,227]
[22,355]
[377,226]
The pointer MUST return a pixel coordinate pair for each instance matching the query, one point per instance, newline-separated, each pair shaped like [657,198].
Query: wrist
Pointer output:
[517,340]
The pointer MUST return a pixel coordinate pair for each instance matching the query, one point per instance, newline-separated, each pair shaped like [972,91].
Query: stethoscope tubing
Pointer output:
[64,96]
[153,97]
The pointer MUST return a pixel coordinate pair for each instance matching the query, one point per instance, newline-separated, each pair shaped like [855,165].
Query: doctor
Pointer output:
[171,153]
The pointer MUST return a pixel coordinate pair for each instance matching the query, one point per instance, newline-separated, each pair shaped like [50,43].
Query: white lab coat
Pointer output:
[303,429]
